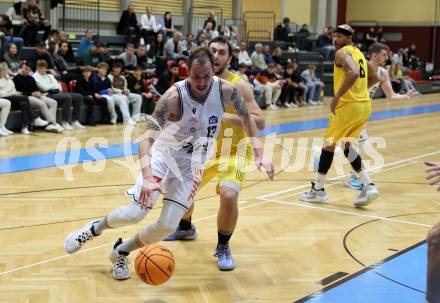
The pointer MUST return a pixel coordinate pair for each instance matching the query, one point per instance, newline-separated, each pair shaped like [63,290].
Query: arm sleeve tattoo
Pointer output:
[239,105]
[159,115]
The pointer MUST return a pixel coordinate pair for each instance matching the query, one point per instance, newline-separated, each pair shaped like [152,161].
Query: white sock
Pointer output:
[365,178]
[319,183]
[128,245]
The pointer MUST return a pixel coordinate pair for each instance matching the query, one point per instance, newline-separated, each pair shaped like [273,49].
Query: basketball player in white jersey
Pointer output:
[172,155]
[378,53]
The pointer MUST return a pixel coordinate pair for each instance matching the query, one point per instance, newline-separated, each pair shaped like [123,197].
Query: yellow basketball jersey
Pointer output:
[359,91]
[238,133]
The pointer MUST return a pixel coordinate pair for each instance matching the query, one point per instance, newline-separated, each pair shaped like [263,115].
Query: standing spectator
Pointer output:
[243,57]
[123,97]
[102,87]
[314,85]
[34,21]
[8,91]
[129,57]
[257,57]
[188,44]
[325,43]
[269,81]
[47,84]
[293,92]
[149,28]
[92,56]
[12,59]
[211,18]
[283,31]
[86,43]
[69,57]
[135,83]
[167,25]
[7,33]
[168,78]
[41,53]
[173,48]
[128,24]
[380,37]
[370,37]
[141,56]
[301,37]
[5,108]
[16,16]
[26,85]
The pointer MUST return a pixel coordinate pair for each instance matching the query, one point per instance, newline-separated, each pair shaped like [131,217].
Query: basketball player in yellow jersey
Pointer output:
[350,110]
[230,163]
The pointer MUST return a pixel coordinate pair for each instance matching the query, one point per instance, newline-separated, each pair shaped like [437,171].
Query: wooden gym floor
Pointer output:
[283,248]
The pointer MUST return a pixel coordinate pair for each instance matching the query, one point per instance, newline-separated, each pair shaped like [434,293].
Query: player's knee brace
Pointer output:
[325,161]
[354,158]
[126,215]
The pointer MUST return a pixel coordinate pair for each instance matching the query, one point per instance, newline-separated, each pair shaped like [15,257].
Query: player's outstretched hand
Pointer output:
[433,170]
[148,187]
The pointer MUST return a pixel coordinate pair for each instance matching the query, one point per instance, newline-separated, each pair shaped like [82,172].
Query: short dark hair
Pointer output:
[377,47]
[129,45]
[222,40]
[41,44]
[199,54]
[41,63]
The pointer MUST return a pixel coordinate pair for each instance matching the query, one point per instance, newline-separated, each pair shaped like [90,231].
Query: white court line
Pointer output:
[340,177]
[104,245]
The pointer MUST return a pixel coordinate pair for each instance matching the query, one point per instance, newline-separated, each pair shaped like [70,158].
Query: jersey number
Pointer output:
[361,69]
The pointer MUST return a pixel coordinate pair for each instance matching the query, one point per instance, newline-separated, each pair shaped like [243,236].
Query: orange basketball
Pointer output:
[154,264]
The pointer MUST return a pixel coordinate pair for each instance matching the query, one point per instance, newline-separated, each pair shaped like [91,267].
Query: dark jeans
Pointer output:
[129,32]
[22,103]
[149,105]
[288,94]
[30,33]
[149,36]
[91,103]
[67,100]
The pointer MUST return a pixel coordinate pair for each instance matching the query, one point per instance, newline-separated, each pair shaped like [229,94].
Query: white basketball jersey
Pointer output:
[372,90]
[197,129]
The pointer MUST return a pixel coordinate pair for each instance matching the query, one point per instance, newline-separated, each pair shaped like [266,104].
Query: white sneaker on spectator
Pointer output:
[272,107]
[52,128]
[113,120]
[130,122]
[3,133]
[77,125]
[5,130]
[38,122]
[60,128]
[67,126]
[25,131]
[294,105]
[288,105]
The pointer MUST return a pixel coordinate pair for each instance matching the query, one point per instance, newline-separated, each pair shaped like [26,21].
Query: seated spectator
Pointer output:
[34,22]
[141,56]
[68,56]
[65,72]
[16,16]
[209,31]
[188,44]
[149,27]
[25,84]
[325,43]
[84,86]
[128,57]
[5,108]
[233,36]
[202,39]
[157,49]
[128,25]
[277,58]
[12,59]
[243,57]
[63,39]
[102,87]
[41,53]
[53,36]
[103,51]
[272,89]
[85,44]
[123,97]
[314,85]
[168,78]
[135,83]
[267,54]
[173,48]
[7,33]
[294,89]
[283,31]
[257,57]
[222,31]
[400,81]
[242,72]
[47,84]
[92,56]
[233,66]
[8,91]
[380,37]
[167,25]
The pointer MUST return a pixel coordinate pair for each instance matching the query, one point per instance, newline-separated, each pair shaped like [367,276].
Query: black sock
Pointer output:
[185,224]
[223,239]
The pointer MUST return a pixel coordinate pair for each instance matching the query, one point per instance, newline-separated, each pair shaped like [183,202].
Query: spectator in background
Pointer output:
[26,85]
[208,30]
[269,81]
[167,25]
[128,25]
[277,58]
[293,90]
[128,57]
[149,27]
[370,37]
[211,18]
[267,54]
[157,53]
[325,43]
[7,33]
[47,84]
[141,56]
[242,67]
[85,44]
[15,15]
[243,57]
[314,85]
[380,37]
[173,48]
[63,39]
[135,83]
[202,39]
[233,66]
[69,57]
[66,73]
[18,101]
[257,57]
[34,21]
[102,86]
[123,97]
[92,56]
[222,32]
[53,36]
[188,44]
[105,54]
[301,37]
[5,108]
[41,53]
[168,78]
[233,36]
[399,81]
[12,59]
[283,31]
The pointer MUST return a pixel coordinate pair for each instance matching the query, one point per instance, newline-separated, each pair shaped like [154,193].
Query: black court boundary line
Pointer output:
[354,275]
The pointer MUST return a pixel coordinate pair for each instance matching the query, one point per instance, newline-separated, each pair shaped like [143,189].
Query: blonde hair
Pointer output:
[4,69]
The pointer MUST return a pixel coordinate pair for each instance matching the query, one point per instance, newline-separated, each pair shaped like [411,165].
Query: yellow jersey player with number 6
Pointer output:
[350,110]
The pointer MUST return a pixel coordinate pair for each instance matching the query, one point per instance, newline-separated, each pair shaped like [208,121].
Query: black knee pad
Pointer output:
[354,158]
[325,161]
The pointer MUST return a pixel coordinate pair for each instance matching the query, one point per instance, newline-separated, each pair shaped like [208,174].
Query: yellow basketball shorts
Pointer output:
[230,170]
[350,119]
